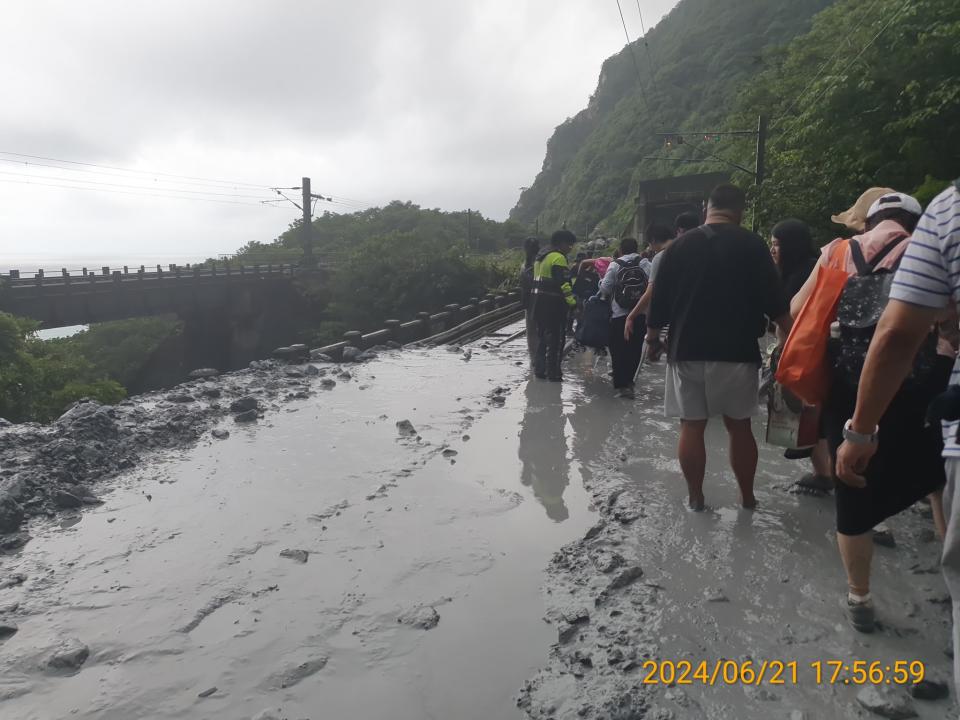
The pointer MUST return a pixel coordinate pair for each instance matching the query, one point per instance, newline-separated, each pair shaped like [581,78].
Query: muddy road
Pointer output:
[436,537]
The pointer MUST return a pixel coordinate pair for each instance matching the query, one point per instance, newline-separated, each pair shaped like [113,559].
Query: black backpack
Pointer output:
[631,284]
[862,302]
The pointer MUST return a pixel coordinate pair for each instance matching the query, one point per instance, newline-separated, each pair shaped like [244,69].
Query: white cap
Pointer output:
[895,201]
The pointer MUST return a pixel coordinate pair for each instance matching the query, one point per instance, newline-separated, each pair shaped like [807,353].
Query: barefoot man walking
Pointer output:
[714,287]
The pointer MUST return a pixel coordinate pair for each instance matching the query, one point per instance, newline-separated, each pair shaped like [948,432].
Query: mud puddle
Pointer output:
[325,563]
[653,581]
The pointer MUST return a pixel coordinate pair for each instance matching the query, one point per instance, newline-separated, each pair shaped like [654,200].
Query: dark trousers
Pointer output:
[551,317]
[624,355]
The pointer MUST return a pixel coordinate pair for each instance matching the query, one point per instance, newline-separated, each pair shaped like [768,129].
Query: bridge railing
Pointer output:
[439,327]
[104,274]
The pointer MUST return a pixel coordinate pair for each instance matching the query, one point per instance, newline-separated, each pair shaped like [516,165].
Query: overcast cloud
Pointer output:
[445,103]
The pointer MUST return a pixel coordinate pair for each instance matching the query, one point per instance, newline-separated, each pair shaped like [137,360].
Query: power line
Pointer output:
[127,192]
[840,48]
[129,170]
[127,186]
[830,86]
[636,65]
[643,29]
[100,173]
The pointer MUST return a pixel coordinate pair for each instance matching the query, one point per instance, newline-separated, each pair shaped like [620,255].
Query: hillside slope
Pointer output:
[702,53]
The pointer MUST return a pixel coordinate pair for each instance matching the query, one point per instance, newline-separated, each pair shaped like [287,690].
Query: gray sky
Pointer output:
[445,103]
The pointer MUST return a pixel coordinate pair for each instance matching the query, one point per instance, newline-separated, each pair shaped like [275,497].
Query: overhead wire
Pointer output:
[129,192]
[829,61]
[101,173]
[131,170]
[789,129]
[127,186]
[633,55]
[646,45]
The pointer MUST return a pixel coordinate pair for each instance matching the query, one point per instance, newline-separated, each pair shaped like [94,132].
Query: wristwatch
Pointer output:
[852,436]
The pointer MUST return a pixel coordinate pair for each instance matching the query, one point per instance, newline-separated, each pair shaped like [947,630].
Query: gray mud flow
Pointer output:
[654,581]
[324,563]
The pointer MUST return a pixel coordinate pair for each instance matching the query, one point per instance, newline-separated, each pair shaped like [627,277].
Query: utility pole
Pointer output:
[761,169]
[306,230]
[677,138]
[469,244]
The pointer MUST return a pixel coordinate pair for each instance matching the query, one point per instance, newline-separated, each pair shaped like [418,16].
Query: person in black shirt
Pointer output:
[716,287]
[791,246]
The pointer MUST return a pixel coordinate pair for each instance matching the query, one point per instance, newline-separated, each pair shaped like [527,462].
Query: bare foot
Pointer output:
[697,504]
[749,503]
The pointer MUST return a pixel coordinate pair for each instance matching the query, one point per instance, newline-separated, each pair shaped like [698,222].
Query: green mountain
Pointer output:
[859,93]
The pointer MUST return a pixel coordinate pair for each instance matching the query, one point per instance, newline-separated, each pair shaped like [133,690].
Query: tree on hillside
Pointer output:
[861,101]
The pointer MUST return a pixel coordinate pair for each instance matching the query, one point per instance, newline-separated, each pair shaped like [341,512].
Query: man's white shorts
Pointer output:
[700,390]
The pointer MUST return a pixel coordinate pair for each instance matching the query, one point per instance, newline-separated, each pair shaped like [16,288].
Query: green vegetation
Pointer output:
[395,261]
[37,381]
[861,94]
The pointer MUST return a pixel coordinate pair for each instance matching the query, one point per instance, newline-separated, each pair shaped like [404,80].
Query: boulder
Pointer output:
[394,345]
[203,373]
[244,404]
[220,433]
[180,398]
[66,500]
[887,702]
[423,617]
[351,354]
[211,392]
[247,416]
[311,370]
[406,428]
[70,655]
[317,356]
[300,556]
[11,513]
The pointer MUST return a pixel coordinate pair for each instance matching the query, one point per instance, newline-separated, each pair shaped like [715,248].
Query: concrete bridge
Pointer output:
[66,299]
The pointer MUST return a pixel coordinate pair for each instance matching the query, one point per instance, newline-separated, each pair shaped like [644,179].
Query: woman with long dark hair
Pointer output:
[793,252]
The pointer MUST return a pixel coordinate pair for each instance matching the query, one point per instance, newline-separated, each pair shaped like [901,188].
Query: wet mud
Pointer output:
[425,535]
[375,549]
[652,581]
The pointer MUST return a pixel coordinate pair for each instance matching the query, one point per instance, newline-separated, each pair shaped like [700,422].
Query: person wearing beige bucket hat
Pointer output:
[856,217]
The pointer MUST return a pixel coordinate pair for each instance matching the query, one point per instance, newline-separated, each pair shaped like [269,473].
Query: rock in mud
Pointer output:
[595,530]
[626,577]
[220,433]
[606,561]
[300,556]
[66,500]
[70,656]
[13,581]
[450,452]
[13,542]
[886,702]
[244,404]
[11,513]
[311,370]
[291,676]
[201,373]
[208,692]
[406,428]
[351,354]
[930,688]
[7,630]
[211,392]
[883,536]
[317,356]
[715,595]
[247,416]
[180,398]
[423,617]
[328,384]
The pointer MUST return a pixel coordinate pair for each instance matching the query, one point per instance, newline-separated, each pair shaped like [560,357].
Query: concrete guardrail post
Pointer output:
[424,318]
[354,338]
[394,327]
[453,317]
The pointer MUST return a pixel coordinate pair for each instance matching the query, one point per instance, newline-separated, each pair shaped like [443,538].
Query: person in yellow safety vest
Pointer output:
[552,300]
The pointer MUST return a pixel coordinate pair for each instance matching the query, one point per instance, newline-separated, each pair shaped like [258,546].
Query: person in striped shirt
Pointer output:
[926,283]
